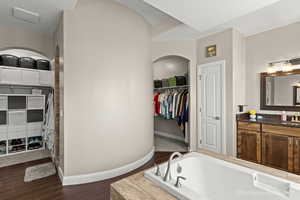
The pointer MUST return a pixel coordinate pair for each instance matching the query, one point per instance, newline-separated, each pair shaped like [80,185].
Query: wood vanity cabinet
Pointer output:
[271,145]
[278,147]
[249,145]
[277,151]
[249,142]
[297,155]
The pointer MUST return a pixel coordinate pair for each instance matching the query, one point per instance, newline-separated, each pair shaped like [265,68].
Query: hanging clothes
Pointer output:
[156,104]
[173,104]
[48,125]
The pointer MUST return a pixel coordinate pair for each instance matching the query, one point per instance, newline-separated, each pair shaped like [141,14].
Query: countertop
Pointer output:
[269,121]
[137,187]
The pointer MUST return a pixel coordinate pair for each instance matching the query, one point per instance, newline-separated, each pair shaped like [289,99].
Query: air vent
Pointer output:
[26,15]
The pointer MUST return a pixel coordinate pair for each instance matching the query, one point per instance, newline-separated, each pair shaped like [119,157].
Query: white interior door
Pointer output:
[210,106]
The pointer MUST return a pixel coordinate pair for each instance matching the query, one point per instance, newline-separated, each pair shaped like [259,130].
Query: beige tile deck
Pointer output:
[137,187]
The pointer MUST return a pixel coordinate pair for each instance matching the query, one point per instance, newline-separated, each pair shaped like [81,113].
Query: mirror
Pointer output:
[280,91]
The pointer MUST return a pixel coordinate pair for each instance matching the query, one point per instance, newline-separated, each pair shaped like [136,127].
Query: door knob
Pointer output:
[217,118]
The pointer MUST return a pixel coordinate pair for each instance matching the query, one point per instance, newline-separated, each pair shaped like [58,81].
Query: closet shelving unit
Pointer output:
[21,121]
[26,77]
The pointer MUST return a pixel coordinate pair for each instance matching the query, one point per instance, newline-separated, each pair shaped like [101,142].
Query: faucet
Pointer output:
[178,184]
[167,176]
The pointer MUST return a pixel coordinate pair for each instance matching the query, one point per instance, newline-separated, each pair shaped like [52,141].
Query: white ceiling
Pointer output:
[200,17]
[154,16]
[49,11]
[159,20]
[276,15]
[206,14]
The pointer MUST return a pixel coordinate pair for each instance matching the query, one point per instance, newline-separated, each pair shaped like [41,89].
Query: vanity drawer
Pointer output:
[281,130]
[249,126]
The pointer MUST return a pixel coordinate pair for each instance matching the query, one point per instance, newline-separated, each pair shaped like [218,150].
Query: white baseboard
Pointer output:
[99,176]
[60,175]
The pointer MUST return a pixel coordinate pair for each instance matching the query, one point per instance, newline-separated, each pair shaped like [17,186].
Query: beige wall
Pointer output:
[108,120]
[224,44]
[26,38]
[229,44]
[186,49]
[278,44]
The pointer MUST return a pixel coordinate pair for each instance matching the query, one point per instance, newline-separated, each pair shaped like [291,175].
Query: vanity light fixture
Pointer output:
[284,66]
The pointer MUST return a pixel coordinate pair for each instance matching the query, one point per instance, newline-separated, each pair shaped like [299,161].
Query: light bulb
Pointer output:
[271,69]
[287,66]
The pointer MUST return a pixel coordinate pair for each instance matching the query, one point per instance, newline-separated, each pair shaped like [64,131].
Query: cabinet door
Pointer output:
[249,145]
[297,155]
[277,151]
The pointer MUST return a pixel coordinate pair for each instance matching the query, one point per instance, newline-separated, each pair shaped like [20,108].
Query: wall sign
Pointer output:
[211,51]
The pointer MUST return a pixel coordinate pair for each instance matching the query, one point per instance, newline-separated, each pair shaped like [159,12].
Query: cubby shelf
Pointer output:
[22,121]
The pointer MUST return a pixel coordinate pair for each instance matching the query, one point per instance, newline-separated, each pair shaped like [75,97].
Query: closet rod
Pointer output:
[174,87]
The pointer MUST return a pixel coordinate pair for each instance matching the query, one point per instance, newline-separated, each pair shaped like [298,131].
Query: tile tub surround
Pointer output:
[137,187]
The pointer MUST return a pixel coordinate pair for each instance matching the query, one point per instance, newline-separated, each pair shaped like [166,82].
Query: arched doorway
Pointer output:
[171,104]
[27,90]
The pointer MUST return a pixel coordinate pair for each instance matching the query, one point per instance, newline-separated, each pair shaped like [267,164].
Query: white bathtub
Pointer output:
[208,178]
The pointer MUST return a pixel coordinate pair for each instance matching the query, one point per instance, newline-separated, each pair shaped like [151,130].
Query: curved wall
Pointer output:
[108,120]
[16,37]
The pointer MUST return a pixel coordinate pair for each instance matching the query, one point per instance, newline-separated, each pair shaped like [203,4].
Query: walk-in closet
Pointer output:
[26,106]
[171,98]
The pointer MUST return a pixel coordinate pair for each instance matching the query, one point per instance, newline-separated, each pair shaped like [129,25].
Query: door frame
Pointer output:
[223,103]
[57,106]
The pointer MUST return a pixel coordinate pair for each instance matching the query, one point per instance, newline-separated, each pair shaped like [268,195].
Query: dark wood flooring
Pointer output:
[12,186]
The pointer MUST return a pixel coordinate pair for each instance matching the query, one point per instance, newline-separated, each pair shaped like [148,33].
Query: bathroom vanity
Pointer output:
[270,142]
[273,140]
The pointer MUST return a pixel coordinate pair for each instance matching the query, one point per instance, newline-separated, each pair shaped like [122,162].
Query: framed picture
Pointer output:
[296,94]
[211,51]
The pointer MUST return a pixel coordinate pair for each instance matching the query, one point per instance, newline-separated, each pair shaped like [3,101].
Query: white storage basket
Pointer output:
[35,102]
[3,102]
[15,132]
[34,129]
[16,118]
[3,133]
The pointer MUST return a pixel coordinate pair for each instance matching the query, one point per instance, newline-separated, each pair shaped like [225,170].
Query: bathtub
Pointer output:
[208,178]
